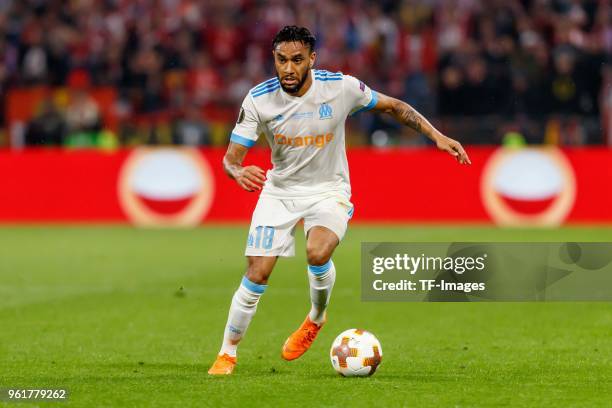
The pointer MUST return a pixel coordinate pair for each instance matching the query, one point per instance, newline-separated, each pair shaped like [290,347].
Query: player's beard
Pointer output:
[295,88]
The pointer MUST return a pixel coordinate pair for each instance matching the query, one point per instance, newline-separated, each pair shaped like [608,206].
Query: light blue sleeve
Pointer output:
[358,96]
[246,130]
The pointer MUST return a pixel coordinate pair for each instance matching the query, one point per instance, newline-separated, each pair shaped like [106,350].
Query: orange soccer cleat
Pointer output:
[223,365]
[301,339]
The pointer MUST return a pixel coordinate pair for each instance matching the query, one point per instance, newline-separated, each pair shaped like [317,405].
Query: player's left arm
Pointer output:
[407,115]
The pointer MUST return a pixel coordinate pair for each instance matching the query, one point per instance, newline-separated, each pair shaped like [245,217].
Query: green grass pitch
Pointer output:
[99,310]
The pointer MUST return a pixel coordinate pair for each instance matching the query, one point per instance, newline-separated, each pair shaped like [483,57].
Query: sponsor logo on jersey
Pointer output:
[362,86]
[241,115]
[301,115]
[303,141]
[325,111]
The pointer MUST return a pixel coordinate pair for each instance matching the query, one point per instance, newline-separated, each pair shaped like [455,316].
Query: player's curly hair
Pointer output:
[295,34]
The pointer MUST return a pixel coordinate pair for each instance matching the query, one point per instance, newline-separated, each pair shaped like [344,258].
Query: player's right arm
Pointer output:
[244,135]
[250,178]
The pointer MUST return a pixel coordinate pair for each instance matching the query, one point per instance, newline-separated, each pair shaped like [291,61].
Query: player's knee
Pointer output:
[258,272]
[257,276]
[317,255]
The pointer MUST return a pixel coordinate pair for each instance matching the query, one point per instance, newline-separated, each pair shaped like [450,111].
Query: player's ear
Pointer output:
[313,57]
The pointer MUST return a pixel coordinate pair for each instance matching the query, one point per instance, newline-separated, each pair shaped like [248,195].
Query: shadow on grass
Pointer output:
[279,373]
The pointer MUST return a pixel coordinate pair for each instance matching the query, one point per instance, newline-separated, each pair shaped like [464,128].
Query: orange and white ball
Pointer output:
[356,352]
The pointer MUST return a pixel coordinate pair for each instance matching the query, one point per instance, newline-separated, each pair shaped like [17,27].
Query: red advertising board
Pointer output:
[167,186]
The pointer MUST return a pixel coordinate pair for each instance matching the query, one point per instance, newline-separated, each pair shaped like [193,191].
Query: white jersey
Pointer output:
[306,133]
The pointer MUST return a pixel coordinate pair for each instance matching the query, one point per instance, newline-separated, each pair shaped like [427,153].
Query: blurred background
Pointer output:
[120,111]
[111,73]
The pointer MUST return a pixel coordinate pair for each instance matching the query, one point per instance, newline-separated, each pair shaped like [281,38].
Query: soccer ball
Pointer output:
[355,352]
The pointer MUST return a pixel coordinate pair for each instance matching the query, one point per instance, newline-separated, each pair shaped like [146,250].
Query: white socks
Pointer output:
[244,304]
[322,280]
[242,310]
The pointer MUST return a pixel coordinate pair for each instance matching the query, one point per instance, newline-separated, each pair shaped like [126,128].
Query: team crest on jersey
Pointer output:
[325,111]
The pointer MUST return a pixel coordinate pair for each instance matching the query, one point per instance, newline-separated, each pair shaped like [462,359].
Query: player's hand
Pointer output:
[454,148]
[251,178]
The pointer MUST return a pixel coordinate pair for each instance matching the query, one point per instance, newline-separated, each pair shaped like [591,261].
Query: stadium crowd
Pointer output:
[524,61]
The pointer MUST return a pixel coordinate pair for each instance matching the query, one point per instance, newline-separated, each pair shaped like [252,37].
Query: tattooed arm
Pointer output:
[407,115]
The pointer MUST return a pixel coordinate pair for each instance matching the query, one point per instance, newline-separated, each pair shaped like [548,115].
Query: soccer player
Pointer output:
[302,112]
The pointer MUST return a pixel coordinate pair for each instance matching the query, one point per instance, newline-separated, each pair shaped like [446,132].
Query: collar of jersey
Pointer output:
[308,92]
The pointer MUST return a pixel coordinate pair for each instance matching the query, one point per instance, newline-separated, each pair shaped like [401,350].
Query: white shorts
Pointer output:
[272,231]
